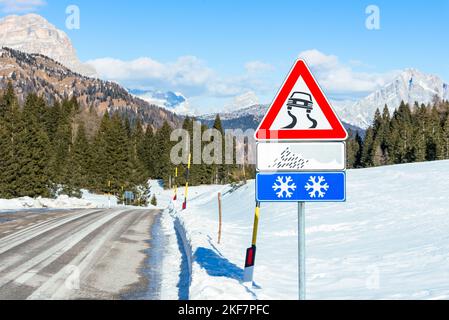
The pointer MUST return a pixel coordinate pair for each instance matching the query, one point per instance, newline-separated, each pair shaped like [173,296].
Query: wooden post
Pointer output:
[219,217]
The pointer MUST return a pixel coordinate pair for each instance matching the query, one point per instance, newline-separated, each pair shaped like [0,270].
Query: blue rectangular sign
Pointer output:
[301,187]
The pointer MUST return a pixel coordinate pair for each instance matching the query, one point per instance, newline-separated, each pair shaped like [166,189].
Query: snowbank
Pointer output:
[62,202]
[88,200]
[390,240]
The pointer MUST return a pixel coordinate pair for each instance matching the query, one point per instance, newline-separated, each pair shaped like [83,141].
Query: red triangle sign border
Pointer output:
[300,69]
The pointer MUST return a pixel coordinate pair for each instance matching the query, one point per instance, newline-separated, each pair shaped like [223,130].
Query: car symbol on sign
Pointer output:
[300,100]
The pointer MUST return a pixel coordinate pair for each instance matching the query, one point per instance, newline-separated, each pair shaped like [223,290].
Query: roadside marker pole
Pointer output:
[184,204]
[219,218]
[109,194]
[251,252]
[175,197]
[302,250]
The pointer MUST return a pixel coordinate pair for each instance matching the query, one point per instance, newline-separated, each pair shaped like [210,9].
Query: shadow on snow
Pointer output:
[216,265]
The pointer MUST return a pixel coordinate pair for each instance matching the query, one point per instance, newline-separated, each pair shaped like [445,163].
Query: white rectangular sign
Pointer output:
[301,156]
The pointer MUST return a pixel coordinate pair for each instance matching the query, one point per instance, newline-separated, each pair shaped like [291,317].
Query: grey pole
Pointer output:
[302,250]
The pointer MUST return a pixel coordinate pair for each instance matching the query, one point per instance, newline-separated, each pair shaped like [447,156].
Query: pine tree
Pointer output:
[359,148]
[221,174]
[52,120]
[81,158]
[8,163]
[379,158]
[99,171]
[163,167]
[8,101]
[367,151]
[402,135]
[9,128]
[445,140]
[378,121]
[434,137]
[118,149]
[187,125]
[33,176]
[62,145]
[154,200]
[353,150]
[138,174]
[350,150]
[146,152]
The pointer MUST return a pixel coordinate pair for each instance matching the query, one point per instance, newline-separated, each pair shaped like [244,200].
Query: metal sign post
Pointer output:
[302,250]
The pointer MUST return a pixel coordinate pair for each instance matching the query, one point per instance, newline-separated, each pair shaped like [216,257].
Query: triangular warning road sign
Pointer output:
[300,111]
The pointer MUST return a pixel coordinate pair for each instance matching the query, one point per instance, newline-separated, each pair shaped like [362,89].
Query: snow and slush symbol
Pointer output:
[284,187]
[317,187]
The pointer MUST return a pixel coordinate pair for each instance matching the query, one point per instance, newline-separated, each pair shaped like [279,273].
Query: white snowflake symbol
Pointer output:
[285,187]
[317,186]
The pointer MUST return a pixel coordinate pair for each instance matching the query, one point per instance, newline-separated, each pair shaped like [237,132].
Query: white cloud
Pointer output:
[258,67]
[210,91]
[12,6]
[341,79]
[187,74]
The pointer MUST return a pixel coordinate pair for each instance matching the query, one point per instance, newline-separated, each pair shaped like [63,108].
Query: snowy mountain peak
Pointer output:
[243,101]
[170,100]
[32,33]
[410,86]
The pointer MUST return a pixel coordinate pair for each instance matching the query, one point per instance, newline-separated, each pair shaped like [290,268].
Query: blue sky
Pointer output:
[213,51]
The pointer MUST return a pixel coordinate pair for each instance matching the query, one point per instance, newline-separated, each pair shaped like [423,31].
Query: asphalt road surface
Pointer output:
[74,254]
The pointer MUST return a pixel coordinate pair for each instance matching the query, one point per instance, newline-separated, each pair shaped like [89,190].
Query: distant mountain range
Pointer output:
[409,86]
[249,118]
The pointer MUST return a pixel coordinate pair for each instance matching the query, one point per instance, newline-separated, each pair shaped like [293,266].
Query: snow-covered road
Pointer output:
[74,254]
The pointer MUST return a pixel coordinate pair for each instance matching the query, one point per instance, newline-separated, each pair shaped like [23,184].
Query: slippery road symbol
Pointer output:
[300,100]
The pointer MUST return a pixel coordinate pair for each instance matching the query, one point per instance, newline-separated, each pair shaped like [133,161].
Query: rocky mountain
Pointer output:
[409,86]
[32,33]
[40,74]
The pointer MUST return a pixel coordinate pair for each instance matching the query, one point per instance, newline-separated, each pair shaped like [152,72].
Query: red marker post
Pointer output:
[251,251]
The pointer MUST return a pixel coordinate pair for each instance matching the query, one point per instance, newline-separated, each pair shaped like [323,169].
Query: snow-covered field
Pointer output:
[390,240]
